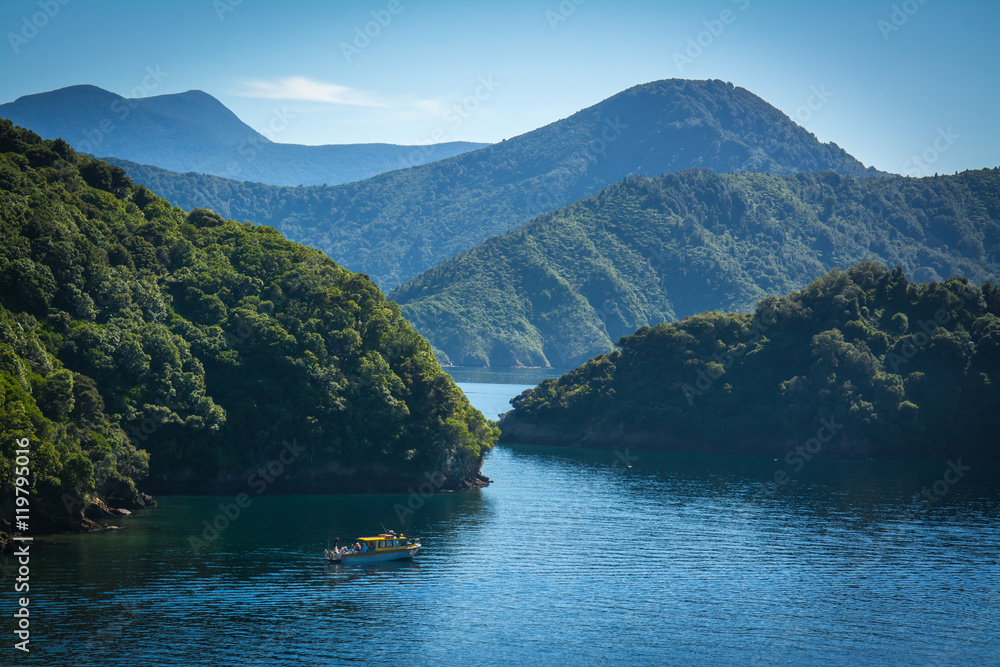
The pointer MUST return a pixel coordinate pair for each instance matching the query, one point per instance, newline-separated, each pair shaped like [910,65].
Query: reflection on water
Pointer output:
[490,389]
[492,399]
[518,376]
[568,557]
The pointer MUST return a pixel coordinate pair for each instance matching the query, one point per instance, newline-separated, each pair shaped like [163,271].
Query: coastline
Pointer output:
[88,518]
[82,516]
[515,431]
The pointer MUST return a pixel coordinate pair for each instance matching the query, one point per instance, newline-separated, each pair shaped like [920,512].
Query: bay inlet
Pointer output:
[569,556]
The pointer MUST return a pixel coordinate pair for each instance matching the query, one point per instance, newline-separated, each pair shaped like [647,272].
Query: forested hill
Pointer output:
[559,290]
[193,131]
[398,224]
[859,364]
[138,337]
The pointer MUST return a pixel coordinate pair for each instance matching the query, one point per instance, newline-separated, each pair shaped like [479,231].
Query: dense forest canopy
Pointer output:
[139,338]
[865,362]
[560,289]
[398,224]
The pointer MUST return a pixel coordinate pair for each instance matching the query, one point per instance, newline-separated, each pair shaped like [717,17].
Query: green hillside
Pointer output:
[138,337]
[398,224]
[859,364]
[564,287]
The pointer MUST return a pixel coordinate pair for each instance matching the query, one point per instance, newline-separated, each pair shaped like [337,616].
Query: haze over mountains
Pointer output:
[193,131]
[567,286]
[398,224]
[668,199]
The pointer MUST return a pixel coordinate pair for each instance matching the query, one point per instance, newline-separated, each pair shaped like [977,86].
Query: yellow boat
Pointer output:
[383,547]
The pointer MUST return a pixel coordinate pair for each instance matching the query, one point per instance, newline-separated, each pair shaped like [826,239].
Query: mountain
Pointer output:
[564,287]
[859,364]
[207,352]
[398,224]
[193,131]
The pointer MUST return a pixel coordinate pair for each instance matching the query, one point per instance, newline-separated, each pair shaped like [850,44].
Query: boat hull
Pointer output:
[375,557]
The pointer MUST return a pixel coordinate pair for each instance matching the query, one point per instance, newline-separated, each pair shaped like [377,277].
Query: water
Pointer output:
[490,390]
[569,557]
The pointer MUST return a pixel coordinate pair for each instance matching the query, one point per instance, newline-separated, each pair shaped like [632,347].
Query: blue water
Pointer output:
[490,390]
[569,557]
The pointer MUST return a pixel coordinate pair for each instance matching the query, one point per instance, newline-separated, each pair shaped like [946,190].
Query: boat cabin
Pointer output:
[385,542]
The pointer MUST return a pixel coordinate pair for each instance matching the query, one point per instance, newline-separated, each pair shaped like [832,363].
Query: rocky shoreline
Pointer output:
[331,478]
[79,516]
[93,515]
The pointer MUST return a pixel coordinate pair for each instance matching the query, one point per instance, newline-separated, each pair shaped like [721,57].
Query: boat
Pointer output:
[378,549]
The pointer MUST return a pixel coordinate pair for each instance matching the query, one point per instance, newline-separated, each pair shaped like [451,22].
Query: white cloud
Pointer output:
[309,90]
[431,107]
[396,108]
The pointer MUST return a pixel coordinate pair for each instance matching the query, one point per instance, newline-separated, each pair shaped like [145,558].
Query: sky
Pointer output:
[907,86]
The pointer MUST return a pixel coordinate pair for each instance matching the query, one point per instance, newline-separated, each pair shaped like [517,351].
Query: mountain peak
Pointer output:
[105,123]
[194,131]
[752,134]
[415,218]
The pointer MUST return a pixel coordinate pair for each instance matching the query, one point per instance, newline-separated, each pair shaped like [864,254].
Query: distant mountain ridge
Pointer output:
[565,287]
[193,131]
[398,224]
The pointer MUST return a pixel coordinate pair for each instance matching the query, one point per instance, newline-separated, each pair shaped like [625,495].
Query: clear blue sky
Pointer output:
[929,72]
